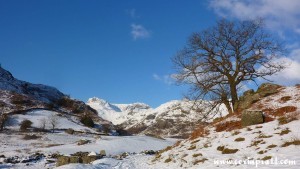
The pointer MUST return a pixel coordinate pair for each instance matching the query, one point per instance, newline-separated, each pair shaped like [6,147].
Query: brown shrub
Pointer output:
[283,110]
[268,118]
[199,132]
[288,118]
[285,99]
[228,126]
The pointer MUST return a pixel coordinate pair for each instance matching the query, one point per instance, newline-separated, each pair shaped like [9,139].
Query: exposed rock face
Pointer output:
[249,97]
[251,117]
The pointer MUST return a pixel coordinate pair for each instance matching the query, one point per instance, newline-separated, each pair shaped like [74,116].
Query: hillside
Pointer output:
[172,119]
[36,91]
[21,98]
[225,138]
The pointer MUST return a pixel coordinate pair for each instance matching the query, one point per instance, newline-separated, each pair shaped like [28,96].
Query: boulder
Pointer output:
[267,89]
[88,159]
[251,117]
[102,153]
[62,160]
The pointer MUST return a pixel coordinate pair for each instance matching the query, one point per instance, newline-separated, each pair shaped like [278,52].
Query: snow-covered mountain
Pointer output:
[118,113]
[176,118]
[37,91]
[18,96]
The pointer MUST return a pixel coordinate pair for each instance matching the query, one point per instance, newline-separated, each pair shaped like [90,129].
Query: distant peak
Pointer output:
[96,100]
[5,74]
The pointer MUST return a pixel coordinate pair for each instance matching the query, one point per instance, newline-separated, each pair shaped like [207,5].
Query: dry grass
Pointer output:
[200,161]
[228,126]
[266,158]
[285,99]
[264,136]
[236,132]
[283,110]
[220,148]
[239,139]
[294,141]
[195,141]
[257,142]
[268,118]
[168,160]
[177,143]
[192,147]
[285,131]
[262,151]
[196,155]
[272,146]
[199,132]
[288,118]
[229,151]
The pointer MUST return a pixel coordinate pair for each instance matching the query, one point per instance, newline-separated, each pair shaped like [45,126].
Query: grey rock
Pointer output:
[251,117]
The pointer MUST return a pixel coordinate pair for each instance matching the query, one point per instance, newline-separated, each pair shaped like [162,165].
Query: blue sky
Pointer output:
[120,50]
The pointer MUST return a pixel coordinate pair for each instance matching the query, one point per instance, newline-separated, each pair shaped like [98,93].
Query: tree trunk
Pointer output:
[228,106]
[234,96]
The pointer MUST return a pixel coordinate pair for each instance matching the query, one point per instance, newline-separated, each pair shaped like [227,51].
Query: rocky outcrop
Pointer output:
[249,97]
[80,157]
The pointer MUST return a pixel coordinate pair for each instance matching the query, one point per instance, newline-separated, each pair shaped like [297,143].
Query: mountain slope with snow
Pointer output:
[20,97]
[37,91]
[173,119]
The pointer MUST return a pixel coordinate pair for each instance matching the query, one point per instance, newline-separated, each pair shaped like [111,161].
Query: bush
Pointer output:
[25,124]
[87,121]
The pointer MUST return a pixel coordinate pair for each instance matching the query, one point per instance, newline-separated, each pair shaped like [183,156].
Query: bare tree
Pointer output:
[54,121]
[43,122]
[217,61]
[3,120]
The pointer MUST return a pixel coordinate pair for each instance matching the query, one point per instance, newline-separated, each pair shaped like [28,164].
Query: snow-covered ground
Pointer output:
[38,116]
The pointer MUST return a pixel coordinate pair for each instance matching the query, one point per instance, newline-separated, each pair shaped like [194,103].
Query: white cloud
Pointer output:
[290,75]
[167,79]
[139,32]
[277,13]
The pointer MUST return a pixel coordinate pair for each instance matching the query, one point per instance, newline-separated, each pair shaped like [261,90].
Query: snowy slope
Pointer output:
[37,116]
[277,140]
